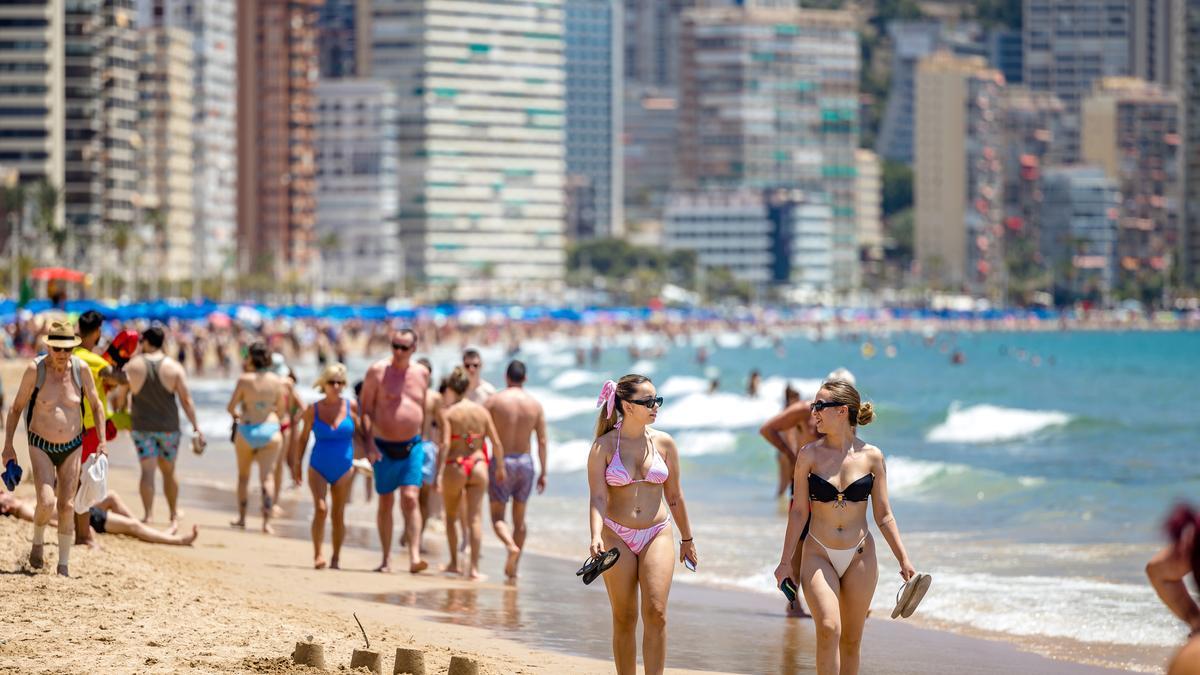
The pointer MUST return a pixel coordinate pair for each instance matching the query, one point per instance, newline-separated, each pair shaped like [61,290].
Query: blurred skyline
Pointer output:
[1015,151]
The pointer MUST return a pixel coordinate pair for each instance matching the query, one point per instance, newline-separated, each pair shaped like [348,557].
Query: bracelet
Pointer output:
[684,541]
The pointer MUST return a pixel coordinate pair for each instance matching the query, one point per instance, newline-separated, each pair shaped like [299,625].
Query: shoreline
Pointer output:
[271,597]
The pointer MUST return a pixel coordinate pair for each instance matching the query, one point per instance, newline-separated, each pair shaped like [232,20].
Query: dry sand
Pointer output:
[239,601]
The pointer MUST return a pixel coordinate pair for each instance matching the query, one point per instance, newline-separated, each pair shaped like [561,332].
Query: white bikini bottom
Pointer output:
[840,557]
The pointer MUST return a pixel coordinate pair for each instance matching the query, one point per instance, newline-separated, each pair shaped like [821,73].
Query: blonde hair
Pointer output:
[626,387]
[844,393]
[333,371]
[458,380]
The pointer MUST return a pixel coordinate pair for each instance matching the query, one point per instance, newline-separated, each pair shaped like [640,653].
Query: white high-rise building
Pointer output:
[358,193]
[165,157]
[31,88]
[212,24]
[481,90]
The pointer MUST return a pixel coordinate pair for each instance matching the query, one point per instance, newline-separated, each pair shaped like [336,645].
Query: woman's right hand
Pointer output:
[597,548]
[782,572]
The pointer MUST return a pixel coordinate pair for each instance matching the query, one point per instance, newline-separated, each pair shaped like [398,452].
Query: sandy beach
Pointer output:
[238,601]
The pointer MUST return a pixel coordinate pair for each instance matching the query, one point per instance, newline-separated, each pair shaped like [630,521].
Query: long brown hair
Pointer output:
[626,388]
[844,393]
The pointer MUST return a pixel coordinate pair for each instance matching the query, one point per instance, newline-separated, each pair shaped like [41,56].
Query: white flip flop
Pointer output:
[910,595]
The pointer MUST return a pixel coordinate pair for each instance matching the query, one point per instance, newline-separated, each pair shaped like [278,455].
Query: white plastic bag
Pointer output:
[93,483]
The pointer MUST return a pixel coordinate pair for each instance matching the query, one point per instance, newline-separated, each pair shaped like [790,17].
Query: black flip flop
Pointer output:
[597,565]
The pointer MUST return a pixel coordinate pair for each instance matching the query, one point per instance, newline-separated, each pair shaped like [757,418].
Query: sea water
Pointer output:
[1030,480]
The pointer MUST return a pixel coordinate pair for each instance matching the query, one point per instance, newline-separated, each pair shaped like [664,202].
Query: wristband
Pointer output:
[684,541]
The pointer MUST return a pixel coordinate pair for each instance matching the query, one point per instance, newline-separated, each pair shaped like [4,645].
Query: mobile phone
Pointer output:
[789,589]
[687,562]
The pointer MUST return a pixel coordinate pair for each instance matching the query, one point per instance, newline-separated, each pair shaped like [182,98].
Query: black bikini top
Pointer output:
[821,490]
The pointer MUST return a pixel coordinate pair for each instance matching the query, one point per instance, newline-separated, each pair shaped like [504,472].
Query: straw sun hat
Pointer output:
[62,335]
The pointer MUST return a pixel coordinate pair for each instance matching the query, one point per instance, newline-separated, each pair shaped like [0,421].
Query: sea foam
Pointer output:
[988,424]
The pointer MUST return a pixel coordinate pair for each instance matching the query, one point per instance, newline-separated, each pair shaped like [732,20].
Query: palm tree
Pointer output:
[47,197]
[122,237]
[158,223]
[12,203]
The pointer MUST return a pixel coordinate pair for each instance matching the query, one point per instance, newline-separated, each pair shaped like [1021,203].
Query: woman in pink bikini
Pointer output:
[631,469]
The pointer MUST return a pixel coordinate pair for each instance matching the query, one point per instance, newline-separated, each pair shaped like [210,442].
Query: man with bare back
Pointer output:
[54,388]
[517,416]
[393,414]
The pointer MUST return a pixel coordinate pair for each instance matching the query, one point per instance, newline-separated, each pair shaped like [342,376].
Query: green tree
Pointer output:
[12,204]
[897,187]
[47,197]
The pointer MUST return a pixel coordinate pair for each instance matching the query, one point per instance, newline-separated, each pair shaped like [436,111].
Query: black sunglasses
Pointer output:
[818,406]
[472,366]
[650,403]
[336,383]
[62,350]
[403,348]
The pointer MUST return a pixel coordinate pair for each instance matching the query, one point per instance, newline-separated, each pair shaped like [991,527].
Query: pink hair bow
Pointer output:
[608,398]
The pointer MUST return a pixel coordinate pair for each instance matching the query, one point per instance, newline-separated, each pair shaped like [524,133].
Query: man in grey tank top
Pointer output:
[156,382]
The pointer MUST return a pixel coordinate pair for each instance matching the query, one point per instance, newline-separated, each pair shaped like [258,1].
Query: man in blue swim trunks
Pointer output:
[393,413]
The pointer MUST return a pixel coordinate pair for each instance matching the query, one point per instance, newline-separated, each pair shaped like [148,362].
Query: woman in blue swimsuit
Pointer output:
[332,420]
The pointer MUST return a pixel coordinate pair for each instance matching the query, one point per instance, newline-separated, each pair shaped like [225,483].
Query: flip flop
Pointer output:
[917,596]
[910,595]
[597,565]
[12,475]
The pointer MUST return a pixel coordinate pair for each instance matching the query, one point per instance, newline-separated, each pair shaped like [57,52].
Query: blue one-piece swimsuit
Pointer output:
[333,451]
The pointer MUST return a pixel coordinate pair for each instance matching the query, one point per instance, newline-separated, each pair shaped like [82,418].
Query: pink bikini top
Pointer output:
[617,475]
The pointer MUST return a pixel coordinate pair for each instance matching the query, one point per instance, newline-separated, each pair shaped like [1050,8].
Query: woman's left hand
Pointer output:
[907,571]
[687,550]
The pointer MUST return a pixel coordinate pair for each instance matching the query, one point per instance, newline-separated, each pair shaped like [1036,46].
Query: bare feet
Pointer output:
[146,520]
[333,564]
[510,565]
[62,571]
[267,529]
[452,569]
[239,523]
[476,576]
[419,566]
[173,526]
[187,541]
[36,559]
[319,563]
[384,568]
[276,511]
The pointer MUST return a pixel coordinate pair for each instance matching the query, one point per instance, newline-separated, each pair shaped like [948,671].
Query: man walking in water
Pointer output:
[393,411]
[480,389]
[517,415]
[54,388]
[156,381]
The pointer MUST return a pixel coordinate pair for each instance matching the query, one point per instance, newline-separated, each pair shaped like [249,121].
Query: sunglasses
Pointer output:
[62,350]
[472,366]
[336,383]
[402,347]
[818,406]
[650,403]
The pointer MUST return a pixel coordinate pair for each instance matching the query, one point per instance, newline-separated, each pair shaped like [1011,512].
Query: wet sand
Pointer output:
[238,601]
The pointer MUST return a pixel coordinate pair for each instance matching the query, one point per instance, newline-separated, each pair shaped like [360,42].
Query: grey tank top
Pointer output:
[153,406]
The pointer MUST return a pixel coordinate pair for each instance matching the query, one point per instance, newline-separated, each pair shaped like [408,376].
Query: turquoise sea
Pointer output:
[1030,480]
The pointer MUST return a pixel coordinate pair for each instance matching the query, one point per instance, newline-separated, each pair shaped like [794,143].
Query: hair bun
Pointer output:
[866,413]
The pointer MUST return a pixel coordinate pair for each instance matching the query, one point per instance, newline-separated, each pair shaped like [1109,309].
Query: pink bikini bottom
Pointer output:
[636,540]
